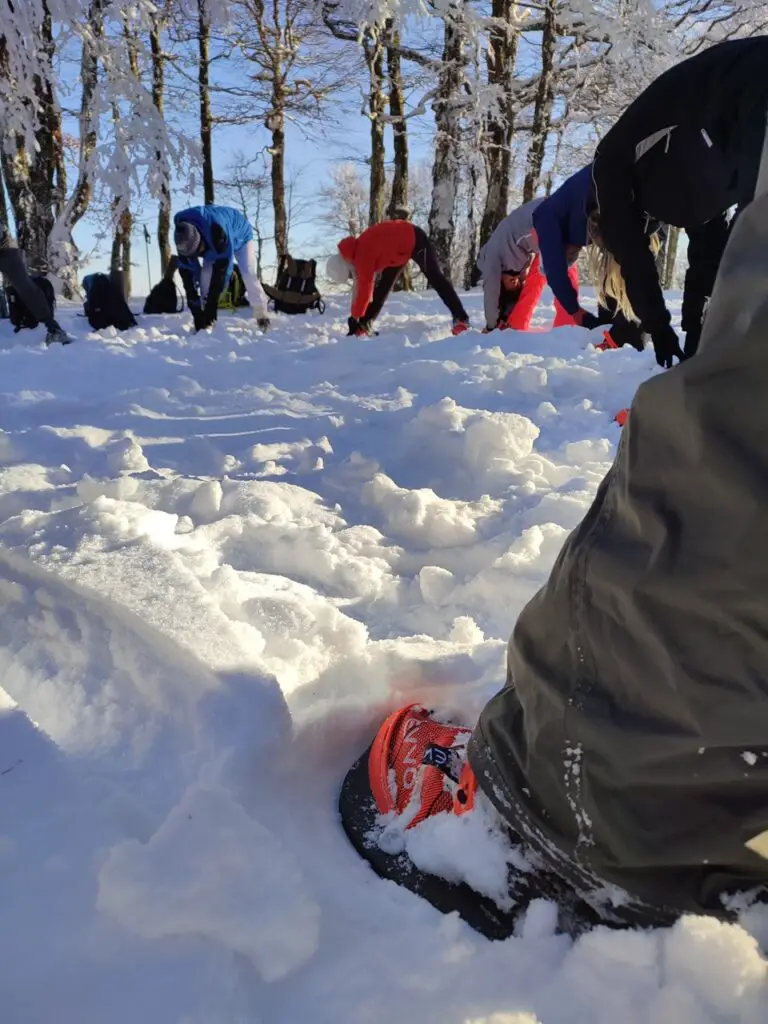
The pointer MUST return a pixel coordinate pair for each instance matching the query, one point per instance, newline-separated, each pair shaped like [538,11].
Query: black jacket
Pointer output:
[685,151]
[630,744]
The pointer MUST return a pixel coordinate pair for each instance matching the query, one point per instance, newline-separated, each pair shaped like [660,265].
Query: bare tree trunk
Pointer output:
[470,269]
[552,173]
[500,61]
[673,238]
[206,117]
[446,167]
[542,110]
[158,98]
[374,59]
[120,261]
[276,124]
[398,200]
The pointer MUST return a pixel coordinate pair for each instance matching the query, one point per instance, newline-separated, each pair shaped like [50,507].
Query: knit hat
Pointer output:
[337,269]
[187,238]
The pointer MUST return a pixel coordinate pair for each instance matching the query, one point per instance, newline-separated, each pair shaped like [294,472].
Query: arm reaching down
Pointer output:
[492,270]
[549,221]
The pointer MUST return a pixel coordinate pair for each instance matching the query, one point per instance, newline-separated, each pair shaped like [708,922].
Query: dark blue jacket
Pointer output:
[233,233]
[559,221]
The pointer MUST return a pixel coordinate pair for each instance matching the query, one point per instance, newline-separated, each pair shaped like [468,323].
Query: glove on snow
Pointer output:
[667,347]
[586,319]
[263,323]
[360,328]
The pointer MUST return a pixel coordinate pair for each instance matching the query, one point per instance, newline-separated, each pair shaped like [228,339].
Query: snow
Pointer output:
[223,559]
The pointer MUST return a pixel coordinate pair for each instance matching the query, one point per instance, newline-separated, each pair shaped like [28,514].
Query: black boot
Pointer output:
[56,334]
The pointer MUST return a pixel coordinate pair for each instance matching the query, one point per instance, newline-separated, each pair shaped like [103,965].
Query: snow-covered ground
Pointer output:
[223,558]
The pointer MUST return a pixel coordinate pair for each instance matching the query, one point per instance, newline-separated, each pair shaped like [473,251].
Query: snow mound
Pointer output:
[211,870]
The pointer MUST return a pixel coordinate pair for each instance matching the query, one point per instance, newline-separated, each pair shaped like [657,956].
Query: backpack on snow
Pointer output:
[18,313]
[104,305]
[234,294]
[295,290]
[165,297]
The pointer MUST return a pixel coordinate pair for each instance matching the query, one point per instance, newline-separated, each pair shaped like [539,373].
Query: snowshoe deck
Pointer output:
[359,816]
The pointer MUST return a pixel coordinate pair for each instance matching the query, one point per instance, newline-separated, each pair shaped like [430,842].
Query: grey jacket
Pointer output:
[510,248]
[630,743]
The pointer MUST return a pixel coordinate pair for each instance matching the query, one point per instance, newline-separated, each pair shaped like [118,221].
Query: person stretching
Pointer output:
[384,249]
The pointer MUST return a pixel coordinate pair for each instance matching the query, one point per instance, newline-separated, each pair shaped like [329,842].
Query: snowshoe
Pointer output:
[416,767]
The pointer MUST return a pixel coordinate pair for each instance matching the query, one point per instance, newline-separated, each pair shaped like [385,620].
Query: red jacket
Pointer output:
[389,244]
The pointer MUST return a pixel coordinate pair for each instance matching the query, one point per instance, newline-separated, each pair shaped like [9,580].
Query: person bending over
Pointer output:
[383,250]
[209,240]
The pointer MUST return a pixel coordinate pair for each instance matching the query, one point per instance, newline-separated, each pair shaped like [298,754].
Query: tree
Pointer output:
[292,73]
[246,185]
[345,199]
[158,98]
[446,168]
[503,40]
[545,98]
[204,92]
[34,170]
[373,49]
[398,198]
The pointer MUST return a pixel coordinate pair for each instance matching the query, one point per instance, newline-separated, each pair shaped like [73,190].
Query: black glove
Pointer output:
[360,328]
[588,320]
[667,347]
[263,323]
[692,339]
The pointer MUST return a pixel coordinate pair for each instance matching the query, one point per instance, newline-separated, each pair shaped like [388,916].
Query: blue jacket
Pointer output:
[234,232]
[559,221]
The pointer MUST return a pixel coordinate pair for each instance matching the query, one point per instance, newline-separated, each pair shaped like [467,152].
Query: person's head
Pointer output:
[511,281]
[605,270]
[187,239]
[337,270]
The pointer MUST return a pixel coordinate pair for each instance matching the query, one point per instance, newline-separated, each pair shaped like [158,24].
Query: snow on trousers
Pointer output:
[246,261]
[521,314]
[425,258]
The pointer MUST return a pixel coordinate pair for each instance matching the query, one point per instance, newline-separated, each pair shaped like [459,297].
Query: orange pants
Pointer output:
[522,312]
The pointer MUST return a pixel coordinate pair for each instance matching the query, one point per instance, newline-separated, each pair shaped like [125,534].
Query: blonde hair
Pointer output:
[608,279]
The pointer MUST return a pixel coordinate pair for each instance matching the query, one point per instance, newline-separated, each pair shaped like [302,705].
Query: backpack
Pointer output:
[164,298]
[295,290]
[18,313]
[234,295]
[104,305]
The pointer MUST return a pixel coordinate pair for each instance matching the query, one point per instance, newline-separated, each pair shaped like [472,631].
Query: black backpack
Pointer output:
[18,313]
[295,290]
[234,295]
[165,297]
[104,305]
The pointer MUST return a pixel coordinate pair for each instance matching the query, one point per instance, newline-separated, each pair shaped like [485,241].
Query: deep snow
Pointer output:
[224,557]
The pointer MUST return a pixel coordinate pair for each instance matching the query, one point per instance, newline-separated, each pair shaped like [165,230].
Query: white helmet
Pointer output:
[337,269]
